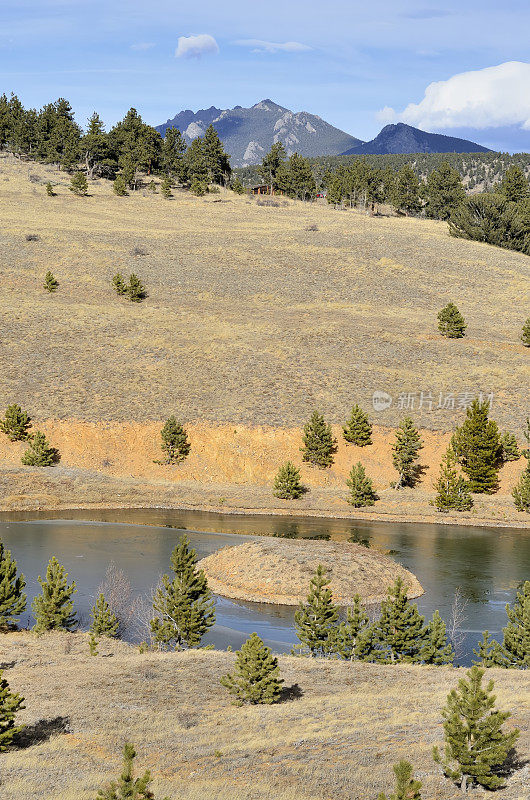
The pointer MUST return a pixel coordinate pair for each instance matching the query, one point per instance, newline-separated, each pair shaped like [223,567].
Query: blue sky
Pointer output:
[356,64]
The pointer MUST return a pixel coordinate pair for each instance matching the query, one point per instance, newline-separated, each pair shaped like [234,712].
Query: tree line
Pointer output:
[130,148]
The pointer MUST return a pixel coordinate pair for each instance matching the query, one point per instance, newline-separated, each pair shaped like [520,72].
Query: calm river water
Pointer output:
[485,564]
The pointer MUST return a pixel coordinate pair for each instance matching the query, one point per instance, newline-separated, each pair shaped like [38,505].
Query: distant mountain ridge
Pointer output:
[401,138]
[249,133]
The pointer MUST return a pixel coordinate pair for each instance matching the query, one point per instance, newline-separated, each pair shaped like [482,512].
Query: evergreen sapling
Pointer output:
[315,619]
[40,453]
[175,443]
[358,429]
[104,621]
[452,491]
[50,282]
[319,444]
[407,788]
[451,323]
[16,424]
[12,597]
[478,447]
[53,608]
[183,605]
[436,649]
[10,705]
[476,747]
[288,483]
[79,184]
[400,630]
[405,453]
[255,678]
[362,492]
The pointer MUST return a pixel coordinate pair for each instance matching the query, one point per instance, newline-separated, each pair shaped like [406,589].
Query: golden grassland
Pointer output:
[251,322]
[337,740]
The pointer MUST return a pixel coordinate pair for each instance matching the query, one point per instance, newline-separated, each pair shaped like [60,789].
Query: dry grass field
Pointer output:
[252,320]
[337,741]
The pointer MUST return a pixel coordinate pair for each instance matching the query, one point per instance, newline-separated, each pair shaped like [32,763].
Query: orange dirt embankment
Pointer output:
[279,571]
[227,454]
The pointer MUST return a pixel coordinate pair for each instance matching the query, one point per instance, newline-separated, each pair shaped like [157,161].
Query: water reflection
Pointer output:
[485,564]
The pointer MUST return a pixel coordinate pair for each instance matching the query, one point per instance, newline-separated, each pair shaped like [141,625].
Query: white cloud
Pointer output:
[142,46]
[485,98]
[196,45]
[260,46]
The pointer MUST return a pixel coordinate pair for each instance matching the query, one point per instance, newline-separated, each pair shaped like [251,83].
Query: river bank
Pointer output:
[231,470]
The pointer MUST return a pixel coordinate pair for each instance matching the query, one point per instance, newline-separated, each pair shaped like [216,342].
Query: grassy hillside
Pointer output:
[337,740]
[251,318]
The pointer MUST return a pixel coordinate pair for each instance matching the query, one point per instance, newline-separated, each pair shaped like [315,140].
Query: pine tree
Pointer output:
[272,165]
[54,608]
[166,187]
[361,488]
[405,453]
[406,787]
[287,483]
[198,187]
[476,747]
[437,650]
[128,787]
[514,185]
[12,597]
[444,192]
[49,190]
[184,603]
[16,424]
[510,448]
[93,644]
[367,644]
[487,650]
[521,492]
[515,649]
[217,161]
[319,444]
[173,150]
[347,633]
[451,323]
[50,282]
[79,184]
[406,195]
[135,290]
[452,491]
[104,621]
[316,618]
[358,429]
[39,453]
[175,441]
[119,186]
[10,705]
[478,447]
[119,284]
[400,630]
[525,335]
[237,186]
[256,674]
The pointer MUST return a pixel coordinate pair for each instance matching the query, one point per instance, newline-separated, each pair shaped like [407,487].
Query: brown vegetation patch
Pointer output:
[279,571]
